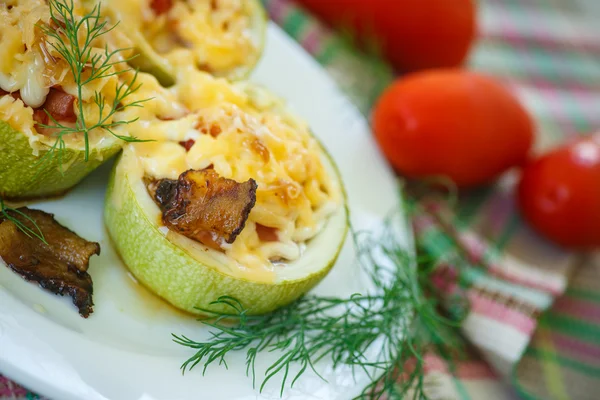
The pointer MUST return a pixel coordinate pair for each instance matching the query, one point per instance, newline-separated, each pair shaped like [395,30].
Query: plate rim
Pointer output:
[40,386]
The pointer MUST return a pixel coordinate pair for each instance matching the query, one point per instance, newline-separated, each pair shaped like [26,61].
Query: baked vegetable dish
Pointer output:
[237,199]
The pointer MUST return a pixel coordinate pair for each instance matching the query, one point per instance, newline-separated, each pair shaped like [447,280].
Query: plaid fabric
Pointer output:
[563,359]
[548,52]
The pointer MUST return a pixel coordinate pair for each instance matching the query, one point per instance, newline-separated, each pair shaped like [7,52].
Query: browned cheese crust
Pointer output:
[205,207]
[60,265]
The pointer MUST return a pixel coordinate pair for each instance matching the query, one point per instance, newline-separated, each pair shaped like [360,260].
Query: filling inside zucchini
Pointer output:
[261,183]
[217,36]
[37,85]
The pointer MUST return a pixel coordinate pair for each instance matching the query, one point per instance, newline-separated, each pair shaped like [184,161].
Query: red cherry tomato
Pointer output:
[413,34]
[452,123]
[559,194]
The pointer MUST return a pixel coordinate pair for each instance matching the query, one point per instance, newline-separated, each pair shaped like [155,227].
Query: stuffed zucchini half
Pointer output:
[38,91]
[239,200]
[222,37]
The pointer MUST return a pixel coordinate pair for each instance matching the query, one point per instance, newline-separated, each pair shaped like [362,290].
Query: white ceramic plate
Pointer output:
[124,350]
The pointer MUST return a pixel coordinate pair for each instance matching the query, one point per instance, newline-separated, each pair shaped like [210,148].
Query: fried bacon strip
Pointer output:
[60,266]
[204,206]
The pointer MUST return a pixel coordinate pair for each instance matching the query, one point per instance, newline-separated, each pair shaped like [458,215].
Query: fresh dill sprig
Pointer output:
[74,39]
[5,213]
[400,318]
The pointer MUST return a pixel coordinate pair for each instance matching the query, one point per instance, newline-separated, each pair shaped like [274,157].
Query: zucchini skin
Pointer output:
[171,273]
[23,176]
[149,61]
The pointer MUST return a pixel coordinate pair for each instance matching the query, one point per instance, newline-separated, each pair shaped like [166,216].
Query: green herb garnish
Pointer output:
[400,317]
[75,40]
[5,213]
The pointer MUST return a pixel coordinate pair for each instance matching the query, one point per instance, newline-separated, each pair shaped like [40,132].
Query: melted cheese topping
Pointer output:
[213,35]
[244,133]
[31,66]
[18,116]
[22,66]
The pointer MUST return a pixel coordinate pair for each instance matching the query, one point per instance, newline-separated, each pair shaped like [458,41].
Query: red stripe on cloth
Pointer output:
[279,10]
[313,39]
[467,370]
[421,224]
[542,40]
[571,347]
[561,83]
[499,272]
[514,39]
[10,389]
[500,312]
[578,308]
[445,279]
[477,249]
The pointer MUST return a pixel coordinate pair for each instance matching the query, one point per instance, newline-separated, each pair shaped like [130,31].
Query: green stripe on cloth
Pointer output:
[461,389]
[328,51]
[438,244]
[469,204]
[511,226]
[295,23]
[584,294]
[564,361]
[574,327]
[579,375]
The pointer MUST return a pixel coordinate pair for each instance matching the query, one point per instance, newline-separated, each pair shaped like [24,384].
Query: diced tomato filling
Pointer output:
[40,116]
[188,144]
[161,6]
[15,95]
[58,103]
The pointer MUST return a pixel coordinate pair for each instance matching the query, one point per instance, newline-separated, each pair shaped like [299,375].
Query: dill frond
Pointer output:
[75,42]
[398,316]
[6,214]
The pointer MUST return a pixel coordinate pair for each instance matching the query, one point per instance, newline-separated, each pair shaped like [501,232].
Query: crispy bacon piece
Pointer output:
[161,6]
[60,266]
[188,144]
[204,206]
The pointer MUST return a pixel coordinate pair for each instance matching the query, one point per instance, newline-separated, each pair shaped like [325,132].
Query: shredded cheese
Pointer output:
[243,133]
[213,35]
[30,66]
[21,64]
